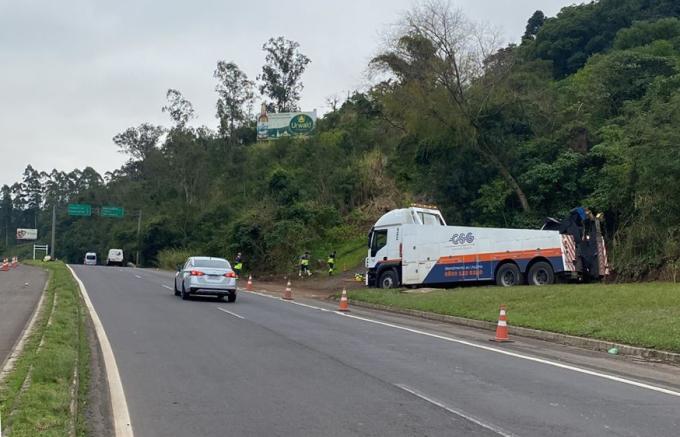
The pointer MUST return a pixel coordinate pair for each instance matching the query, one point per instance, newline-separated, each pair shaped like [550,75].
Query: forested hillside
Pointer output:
[584,111]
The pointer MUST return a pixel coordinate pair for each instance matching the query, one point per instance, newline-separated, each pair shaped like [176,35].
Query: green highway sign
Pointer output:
[79,209]
[112,211]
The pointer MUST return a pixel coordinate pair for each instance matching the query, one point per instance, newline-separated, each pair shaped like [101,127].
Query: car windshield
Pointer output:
[90,256]
[212,263]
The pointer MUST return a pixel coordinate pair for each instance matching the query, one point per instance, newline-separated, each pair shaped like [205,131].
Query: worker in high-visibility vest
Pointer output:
[238,264]
[304,265]
[331,263]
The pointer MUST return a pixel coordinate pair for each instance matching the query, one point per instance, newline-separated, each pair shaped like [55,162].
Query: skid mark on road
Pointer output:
[230,313]
[445,407]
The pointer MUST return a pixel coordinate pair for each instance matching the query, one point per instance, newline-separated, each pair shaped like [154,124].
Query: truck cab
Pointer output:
[385,243]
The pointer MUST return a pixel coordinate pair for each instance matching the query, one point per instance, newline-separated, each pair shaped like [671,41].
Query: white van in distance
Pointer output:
[115,257]
[90,259]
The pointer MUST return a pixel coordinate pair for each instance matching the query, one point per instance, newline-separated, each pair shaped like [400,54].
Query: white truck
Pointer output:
[414,247]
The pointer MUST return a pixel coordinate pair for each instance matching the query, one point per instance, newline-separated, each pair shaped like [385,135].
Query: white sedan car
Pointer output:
[206,276]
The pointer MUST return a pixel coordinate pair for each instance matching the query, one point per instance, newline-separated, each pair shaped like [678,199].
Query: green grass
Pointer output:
[43,407]
[350,253]
[642,314]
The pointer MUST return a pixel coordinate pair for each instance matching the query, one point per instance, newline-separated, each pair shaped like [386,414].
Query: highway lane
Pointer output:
[266,367]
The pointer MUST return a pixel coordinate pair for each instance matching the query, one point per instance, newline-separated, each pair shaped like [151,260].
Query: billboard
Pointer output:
[27,234]
[271,126]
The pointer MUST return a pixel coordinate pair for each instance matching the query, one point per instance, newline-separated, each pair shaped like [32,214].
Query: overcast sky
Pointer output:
[74,73]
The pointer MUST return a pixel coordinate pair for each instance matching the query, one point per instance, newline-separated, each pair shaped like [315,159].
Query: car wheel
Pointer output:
[541,273]
[231,297]
[174,285]
[508,275]
[388,279]
[220,298]
[185,295]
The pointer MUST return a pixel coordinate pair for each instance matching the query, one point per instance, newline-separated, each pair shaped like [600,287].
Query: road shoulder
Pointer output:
[21,290]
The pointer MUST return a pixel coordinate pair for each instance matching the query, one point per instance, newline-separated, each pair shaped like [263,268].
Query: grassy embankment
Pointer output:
[641,314]
[46,392]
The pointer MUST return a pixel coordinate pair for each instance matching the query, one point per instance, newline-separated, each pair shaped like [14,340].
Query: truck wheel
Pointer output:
[508,275]
[388,279]
[541,273]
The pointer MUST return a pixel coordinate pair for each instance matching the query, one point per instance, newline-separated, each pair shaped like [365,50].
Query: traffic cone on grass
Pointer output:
[288,294]
[344,302]
[249,285]
[502,328]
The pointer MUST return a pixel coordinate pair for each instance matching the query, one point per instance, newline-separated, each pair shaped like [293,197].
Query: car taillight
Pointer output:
[230,275]
[196,273]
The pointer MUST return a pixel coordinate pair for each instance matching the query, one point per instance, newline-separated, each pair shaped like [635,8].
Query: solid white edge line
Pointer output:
[138,277]
[229,312]
[121,416]
[522,356]
[445,407]
[166,286]
[501,351]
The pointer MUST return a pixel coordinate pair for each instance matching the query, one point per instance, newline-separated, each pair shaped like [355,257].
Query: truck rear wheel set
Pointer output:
[540,273]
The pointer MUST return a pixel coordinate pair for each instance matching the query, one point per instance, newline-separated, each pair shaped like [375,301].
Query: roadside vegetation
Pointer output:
[45,394]
[581,111]
[640,314]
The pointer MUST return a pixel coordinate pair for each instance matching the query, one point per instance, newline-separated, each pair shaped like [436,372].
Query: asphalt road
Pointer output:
[263,366]
[20,291]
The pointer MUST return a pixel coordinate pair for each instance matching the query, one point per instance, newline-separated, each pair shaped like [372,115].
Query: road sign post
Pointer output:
[112,211]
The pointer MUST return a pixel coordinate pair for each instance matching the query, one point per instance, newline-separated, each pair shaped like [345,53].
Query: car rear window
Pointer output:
[90,256]
[212,263]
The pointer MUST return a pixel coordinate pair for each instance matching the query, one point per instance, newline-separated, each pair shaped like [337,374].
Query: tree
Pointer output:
[6,212]
[33,187]
[439,51]
[534,25]
[180,109]
[282,73]
[139,142]
[235,100]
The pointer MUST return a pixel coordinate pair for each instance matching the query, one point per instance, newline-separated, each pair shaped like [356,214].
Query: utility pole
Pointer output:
[139,232]
[54,225]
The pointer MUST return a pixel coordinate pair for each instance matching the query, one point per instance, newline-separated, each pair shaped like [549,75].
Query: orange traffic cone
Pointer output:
[249,285]
[15,262]
[5,265]
[288,294]
[344,303]
[502,328]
